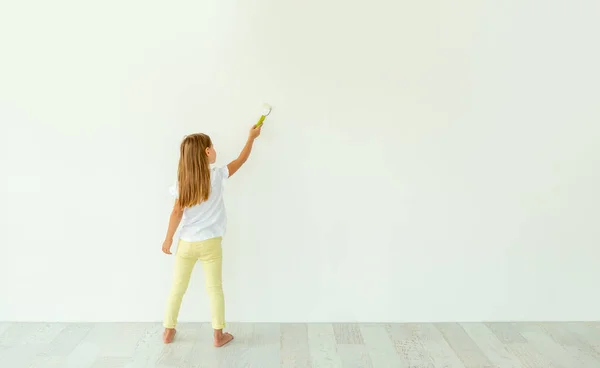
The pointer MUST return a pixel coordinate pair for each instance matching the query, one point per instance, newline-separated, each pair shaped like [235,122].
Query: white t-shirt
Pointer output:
[206,220]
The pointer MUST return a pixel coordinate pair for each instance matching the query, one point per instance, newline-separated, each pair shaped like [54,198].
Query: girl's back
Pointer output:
[208,219]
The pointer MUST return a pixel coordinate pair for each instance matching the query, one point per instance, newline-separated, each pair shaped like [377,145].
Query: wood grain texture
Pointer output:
[506,333]
[380,346]
[354,356]
[238,352]
[322,346]
[3,327]
[450,345]
[178,352]
[44,361]
[44,333]
[581,351]
[203,354]
[266,345]
[441,353]
[491,346]
[588,336]
[410,346]
[129,335]
[349,334]
[529,355]
[148,347]
[69,338]
[111,362]
[422,345]
[16,333]
[464,346]
[294,346]
[537,337]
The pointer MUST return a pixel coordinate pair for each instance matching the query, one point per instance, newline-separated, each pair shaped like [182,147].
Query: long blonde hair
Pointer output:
[193,174]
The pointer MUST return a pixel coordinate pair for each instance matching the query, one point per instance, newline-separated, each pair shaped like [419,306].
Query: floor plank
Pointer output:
[463,345]
[543,343]
[129,334]
[347,333]
[491,346]
[44,333]
[69,338]
[203,353]
[529,354]
[44,361]
[588,336]
[354,356]
[506,333]
[380,346]
[424,345]
[35,343]
[581,351]
[111,362]
[440,352]
[410,344]
[322,346]
[148,347]
[177,353]
[17,333]
[294,346]
[3,327]
[266,345]
[530,357]
[238,352]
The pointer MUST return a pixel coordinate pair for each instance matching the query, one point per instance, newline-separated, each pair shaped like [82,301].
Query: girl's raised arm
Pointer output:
[235,165]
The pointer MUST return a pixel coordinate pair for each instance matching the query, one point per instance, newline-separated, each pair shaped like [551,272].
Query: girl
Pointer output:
[199,207]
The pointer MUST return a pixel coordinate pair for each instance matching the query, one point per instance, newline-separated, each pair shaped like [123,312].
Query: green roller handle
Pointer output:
[266,111]
[260,121]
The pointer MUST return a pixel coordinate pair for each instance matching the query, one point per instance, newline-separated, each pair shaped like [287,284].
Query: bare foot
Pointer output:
[223,339]
[169,335]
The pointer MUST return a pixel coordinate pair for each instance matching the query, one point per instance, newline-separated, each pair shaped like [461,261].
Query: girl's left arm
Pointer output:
[174,220]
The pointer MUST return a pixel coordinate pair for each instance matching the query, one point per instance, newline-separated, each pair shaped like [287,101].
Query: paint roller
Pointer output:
[266,111]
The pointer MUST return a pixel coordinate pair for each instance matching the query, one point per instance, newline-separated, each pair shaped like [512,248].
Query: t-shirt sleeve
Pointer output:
[219,175]
[224,172]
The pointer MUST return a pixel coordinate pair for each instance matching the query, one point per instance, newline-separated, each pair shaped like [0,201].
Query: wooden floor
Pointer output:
[137,345]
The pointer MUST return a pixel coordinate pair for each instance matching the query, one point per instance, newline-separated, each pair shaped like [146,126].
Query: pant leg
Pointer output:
[184,264]
[211,257]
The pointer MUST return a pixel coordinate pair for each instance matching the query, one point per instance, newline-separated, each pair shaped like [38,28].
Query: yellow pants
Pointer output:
[210,254]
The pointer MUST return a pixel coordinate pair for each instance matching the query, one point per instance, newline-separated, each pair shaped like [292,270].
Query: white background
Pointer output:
[425,160]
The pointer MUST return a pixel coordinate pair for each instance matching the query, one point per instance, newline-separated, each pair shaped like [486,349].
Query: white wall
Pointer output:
[425,161]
